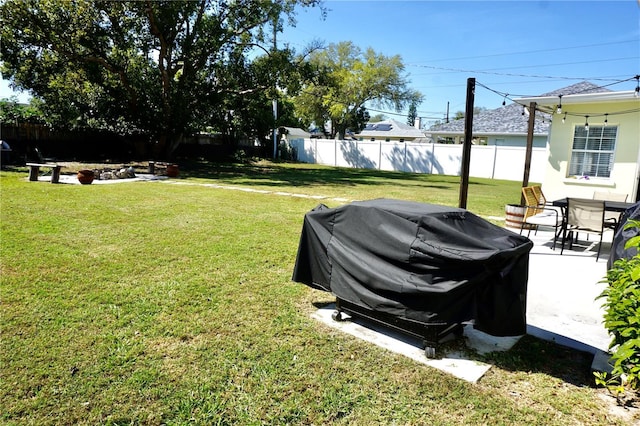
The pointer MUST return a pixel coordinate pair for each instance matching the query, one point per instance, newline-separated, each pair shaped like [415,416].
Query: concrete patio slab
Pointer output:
[73,180]
[453,362]
[562,307]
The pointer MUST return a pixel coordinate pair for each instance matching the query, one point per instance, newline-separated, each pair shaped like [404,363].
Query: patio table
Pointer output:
[611,206]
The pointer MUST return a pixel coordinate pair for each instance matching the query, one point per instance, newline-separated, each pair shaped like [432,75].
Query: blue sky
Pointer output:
[517,47]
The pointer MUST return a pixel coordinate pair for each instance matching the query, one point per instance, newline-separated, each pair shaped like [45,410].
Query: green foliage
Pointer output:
[413,113]
[353,78]
[11,111]
[162,69]
[622,319]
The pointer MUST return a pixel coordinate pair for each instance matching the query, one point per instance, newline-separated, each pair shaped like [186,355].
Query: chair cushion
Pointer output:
[545,218]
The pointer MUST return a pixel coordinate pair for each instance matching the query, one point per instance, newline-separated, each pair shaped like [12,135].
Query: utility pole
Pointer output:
[275,99]
[466,149]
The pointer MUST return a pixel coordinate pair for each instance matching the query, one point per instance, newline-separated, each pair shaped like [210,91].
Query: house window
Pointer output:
[447,139]
[479,141]
[592,152]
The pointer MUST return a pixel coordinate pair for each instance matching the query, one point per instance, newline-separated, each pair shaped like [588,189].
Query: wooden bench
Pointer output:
[34,171]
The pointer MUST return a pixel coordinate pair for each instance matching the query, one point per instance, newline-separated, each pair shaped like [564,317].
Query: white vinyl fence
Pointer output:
[495,162]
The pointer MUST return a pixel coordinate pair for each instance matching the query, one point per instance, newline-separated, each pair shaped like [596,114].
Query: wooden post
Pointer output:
[34,171]
[466,150]
[527,157]
[55,174]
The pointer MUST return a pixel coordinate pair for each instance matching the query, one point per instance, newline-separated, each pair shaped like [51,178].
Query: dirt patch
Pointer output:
[627,410]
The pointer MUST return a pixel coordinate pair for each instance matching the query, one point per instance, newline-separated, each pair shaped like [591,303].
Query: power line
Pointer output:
[551,110]
[521,75]
[509,96]
[524,52]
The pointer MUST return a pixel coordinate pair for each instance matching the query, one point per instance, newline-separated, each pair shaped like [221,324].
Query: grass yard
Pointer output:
[152,303]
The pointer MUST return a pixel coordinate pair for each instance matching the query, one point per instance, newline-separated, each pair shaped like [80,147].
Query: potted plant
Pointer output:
[172,170]
[85,176]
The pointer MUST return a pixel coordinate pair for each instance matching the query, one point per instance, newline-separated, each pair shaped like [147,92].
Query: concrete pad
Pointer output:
[73,180]
[453,362]
[562,293]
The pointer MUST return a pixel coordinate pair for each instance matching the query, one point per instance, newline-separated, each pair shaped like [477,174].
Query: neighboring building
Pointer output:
[594,142]
[505,126]
[290,133]
[391,131]
[508,125]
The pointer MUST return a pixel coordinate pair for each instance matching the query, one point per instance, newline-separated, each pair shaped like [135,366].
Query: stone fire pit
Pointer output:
[109,174]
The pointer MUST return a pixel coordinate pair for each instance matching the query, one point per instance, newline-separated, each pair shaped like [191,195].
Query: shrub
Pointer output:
[622,319]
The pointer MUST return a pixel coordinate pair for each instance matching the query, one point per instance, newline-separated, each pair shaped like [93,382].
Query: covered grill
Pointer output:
[420,268]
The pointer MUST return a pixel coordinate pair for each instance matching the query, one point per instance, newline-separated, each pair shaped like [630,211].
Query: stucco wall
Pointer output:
[624,174]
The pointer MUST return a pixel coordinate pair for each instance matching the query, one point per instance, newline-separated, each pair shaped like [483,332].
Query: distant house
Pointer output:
[390,131]
[290,133]
[505,126]
[594,142]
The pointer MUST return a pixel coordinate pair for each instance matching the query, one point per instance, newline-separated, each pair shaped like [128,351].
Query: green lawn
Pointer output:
[153,303]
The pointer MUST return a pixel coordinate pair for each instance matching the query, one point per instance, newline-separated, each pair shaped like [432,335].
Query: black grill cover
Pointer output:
[623,235]
[422,262]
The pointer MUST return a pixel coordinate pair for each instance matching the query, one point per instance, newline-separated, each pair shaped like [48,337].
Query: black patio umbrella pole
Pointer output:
[527,157]
[466,150]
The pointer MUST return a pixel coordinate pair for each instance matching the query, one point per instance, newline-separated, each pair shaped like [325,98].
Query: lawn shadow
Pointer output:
[534,355]
[303,175]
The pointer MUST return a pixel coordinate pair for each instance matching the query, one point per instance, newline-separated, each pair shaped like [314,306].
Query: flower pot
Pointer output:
[85,176]
[172,170]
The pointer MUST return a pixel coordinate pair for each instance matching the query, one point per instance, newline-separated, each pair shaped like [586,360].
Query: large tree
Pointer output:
[161,69]
[412,115]
[354,79]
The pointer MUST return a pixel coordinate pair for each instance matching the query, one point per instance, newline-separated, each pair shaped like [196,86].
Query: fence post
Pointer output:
[495,160]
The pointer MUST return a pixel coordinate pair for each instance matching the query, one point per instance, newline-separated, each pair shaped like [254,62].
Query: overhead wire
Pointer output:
[525,52]
[511,97]
[551,110]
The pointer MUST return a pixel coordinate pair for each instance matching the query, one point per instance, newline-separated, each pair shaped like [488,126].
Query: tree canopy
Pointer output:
[161,69]
[354,79]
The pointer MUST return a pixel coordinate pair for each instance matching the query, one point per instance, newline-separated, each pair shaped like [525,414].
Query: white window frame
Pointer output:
[590,149]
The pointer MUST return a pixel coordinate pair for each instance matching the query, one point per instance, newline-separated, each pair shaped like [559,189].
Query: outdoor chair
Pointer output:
[542,200]
[611,219]
[536,215]
[583,215]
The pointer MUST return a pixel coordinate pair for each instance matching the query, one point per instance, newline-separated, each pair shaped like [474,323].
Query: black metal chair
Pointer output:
[611,219]
[585,216]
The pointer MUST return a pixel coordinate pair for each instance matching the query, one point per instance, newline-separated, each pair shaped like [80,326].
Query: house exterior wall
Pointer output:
[539,141]
[624,174]
[509,140]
